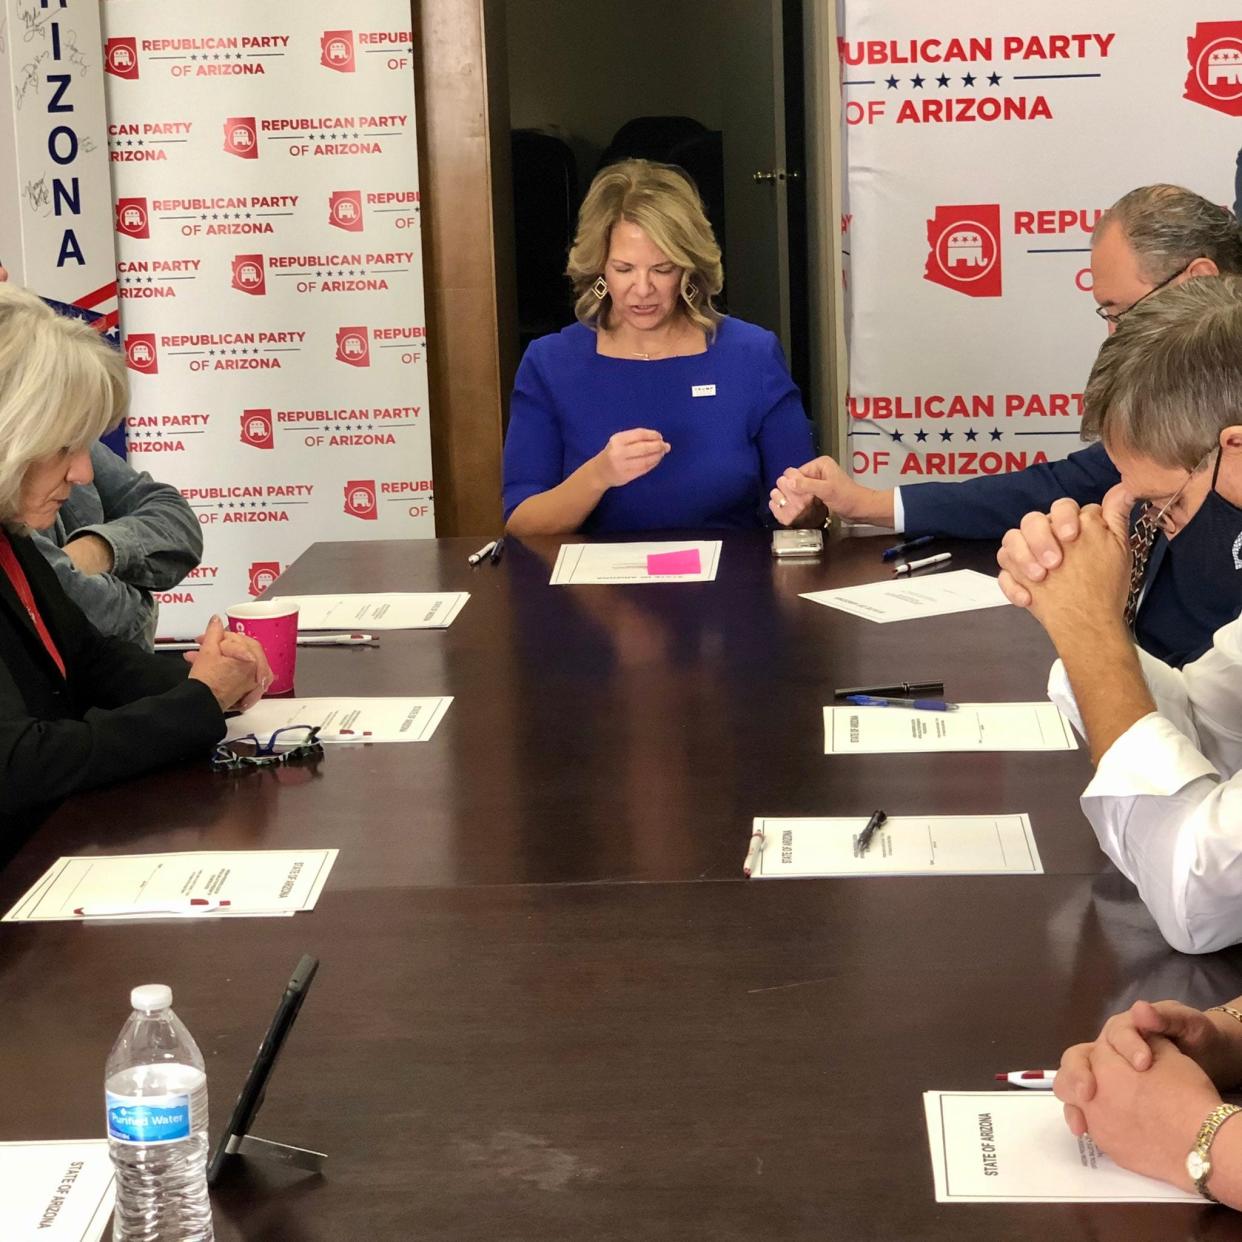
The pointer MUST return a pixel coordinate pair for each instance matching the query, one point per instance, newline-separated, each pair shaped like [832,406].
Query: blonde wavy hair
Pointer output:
[663,202]
[61,387]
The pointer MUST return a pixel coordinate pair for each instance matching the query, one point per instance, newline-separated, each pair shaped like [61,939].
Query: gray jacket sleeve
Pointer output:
[154,537]
[115,608]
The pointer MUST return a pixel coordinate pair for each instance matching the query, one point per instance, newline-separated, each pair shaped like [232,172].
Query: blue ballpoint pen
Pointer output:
[902,548]
[925,705]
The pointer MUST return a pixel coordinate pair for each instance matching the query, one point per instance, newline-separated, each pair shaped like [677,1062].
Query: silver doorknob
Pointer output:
[773,175]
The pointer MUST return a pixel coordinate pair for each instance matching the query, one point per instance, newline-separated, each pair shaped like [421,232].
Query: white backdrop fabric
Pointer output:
[265,177]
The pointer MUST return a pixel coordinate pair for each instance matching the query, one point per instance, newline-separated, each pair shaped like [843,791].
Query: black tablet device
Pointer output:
[251,1098]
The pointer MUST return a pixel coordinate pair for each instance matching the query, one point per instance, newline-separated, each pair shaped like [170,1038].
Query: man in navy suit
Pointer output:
[1156,236]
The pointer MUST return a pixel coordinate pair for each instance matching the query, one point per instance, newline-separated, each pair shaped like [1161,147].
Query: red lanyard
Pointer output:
[9,563]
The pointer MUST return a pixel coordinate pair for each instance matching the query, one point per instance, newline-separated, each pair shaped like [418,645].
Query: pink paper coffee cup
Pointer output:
[273,624]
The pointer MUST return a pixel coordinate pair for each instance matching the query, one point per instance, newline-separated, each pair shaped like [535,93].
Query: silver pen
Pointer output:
[337,640]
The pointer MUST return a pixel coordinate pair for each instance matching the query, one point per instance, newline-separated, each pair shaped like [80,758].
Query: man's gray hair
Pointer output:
[1169,380]
[61,387]
[1170,227]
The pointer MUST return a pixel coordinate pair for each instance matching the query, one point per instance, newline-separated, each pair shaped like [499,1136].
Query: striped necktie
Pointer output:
[1142,539]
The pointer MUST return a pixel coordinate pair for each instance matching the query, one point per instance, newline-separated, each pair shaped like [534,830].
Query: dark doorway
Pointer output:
[717,88]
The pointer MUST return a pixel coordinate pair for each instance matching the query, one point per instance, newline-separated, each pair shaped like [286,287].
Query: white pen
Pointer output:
[194,905]
[485,550]
[752,854]
[1033,1080]
[938,559]
[336,640]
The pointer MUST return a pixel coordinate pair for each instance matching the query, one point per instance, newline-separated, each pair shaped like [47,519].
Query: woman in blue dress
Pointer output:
[653,411]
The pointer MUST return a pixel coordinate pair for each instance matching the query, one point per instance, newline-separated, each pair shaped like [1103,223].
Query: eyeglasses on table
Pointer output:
[287,745]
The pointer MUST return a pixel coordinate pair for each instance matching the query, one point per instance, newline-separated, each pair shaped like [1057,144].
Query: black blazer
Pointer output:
[118,712]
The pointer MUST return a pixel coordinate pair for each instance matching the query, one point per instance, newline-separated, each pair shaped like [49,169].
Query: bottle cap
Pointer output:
[151,997]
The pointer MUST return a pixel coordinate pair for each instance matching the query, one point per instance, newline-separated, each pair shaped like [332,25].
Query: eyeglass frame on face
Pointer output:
[1115,317]
[265,753]
[1159,519]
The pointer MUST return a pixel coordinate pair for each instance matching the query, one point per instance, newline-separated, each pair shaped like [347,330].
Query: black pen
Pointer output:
[900,549]
[864,838]
[898,690]
[498,550]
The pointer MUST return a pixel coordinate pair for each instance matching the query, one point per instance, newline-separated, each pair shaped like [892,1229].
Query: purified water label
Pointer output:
[162,1119]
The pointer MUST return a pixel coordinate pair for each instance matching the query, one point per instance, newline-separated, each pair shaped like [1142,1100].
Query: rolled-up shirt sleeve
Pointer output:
[1166,798]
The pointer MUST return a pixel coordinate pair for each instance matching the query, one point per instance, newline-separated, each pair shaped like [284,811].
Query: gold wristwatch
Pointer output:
[1198,1162]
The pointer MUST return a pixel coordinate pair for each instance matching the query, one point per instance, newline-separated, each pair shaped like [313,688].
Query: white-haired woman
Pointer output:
[654,410]
[77,709]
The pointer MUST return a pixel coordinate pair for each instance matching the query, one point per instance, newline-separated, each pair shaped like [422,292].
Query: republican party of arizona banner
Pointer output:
[983,139]
[265,178]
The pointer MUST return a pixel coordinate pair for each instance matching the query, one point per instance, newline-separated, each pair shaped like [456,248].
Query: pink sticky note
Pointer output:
[683,561]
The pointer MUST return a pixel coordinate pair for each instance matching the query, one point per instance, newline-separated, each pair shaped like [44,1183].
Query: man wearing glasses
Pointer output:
[1155,237]
[1165,398]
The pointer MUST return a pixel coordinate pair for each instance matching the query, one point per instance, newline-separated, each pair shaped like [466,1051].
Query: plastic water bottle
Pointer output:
[155,1088]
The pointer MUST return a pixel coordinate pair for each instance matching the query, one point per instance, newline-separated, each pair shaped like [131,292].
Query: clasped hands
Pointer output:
[1146,1085]
[232,666]
[1071,566]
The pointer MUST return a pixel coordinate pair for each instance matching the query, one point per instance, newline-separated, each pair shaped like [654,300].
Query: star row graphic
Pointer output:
[226,55]
[362,271]
[251,504]
[151,280]
[943,79]
[946,436]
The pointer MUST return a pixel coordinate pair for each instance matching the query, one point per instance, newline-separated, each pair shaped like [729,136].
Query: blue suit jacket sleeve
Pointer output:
[986,507]
[784,431]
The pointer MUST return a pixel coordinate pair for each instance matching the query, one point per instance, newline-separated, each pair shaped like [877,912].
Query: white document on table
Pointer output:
[690,560]
[851,730]
[903,845]
[396,610]
[60,1190]
[1014,1147]
[394,719]
[253,882]
[906,599]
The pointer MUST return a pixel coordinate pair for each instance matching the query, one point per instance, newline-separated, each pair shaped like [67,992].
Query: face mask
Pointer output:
[1217,524]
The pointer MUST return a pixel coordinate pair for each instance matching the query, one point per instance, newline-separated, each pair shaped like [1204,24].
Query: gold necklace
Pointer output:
[649,357]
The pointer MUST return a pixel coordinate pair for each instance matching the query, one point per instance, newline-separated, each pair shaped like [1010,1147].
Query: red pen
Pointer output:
[754,850]
[1033,1080]
[192,905]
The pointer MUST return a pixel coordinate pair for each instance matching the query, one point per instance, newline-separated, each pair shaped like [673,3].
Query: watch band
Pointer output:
[1198,1162]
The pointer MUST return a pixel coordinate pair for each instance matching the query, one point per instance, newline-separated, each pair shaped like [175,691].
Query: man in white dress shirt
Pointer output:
[1165,395]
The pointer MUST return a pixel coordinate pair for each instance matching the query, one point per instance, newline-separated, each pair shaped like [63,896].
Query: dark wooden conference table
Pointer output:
[549,1006]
